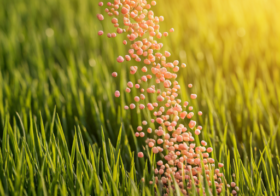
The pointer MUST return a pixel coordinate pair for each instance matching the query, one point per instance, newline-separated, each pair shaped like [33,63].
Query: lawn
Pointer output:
[63,132]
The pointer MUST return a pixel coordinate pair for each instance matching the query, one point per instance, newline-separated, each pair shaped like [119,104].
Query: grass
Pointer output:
[63,132]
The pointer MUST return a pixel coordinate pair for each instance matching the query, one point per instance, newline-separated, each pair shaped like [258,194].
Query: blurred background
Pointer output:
[52,58]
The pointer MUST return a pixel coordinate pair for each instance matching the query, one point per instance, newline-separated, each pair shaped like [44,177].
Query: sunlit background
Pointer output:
[51,56]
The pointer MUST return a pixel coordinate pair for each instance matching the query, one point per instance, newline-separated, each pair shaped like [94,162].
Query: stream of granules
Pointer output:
[181,157]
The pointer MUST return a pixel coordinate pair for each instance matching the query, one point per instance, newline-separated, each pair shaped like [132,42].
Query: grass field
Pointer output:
[62,131]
